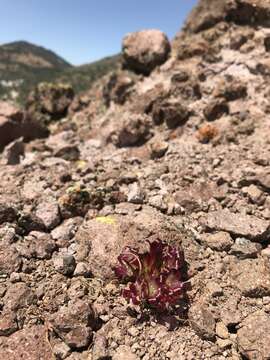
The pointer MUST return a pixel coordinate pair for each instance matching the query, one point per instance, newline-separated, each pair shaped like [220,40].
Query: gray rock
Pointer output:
[247,226]
[135,194]
[244,248]
[65,264]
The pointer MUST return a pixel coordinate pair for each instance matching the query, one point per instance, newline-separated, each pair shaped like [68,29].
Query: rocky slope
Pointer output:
[181,155]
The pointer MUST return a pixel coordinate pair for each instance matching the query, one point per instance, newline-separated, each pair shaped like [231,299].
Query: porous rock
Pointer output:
[145,50]
[29,343]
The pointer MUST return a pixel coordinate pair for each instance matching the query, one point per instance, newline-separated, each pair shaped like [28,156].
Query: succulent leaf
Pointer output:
[155,277]
[130,264]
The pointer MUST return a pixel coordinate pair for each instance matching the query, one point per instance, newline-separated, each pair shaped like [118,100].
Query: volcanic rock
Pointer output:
[143,51]
[14,124]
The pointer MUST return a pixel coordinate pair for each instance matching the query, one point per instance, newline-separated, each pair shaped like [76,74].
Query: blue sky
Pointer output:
[86,30]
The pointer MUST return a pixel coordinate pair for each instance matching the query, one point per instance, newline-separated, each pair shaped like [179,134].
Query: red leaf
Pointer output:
[156,277]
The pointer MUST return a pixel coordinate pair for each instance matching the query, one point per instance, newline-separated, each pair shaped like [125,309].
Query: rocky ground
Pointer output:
[174,146]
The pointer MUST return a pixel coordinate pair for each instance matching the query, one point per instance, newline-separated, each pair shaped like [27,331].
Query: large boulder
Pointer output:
[143,51]
[14,124]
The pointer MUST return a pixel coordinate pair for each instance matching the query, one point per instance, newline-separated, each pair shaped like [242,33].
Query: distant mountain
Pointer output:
[23,65]
[81,77]
[24,54]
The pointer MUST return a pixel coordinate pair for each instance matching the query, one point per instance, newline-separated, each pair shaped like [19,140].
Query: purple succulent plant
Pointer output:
[155,277]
